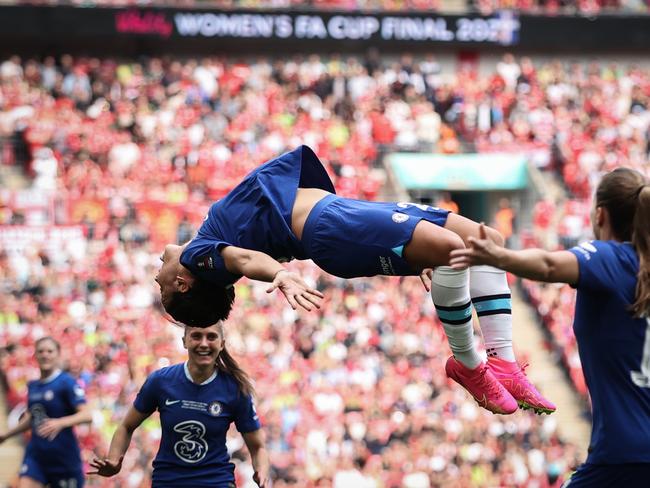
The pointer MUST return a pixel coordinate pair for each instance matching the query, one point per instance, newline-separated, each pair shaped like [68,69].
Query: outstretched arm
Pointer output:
[51,427]
[534,264]
[259,457]
[22,426]
[260,266]
[112,464]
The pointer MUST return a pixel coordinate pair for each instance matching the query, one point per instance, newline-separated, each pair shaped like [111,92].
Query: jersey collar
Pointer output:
[189,376]
[51,377]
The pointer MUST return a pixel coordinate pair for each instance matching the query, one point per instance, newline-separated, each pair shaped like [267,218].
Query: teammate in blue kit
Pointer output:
[287,208]
[55,404]
[611,324]
[197,401]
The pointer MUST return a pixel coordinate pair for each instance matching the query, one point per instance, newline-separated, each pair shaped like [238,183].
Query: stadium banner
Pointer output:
[50,237]
[34,205]
[460,172]
[174,28]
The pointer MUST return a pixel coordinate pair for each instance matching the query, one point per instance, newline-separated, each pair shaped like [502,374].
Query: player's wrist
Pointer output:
[278,272]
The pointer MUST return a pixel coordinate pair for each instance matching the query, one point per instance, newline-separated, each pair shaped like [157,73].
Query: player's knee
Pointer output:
[495,236]
[451,242]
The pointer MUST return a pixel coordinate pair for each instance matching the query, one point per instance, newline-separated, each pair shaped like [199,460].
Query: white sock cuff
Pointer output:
[487,280]
[450,278]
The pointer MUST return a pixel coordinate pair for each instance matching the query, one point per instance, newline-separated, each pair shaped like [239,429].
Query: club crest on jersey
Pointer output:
[215,409]
[398,218]
[205,262]
[49,395]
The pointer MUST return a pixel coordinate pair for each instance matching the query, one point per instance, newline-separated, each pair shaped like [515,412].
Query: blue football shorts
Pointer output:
[635,475]
[355,238]
[38,471]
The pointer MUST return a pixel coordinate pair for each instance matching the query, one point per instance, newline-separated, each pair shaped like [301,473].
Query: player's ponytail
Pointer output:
[228,364]
[641,242]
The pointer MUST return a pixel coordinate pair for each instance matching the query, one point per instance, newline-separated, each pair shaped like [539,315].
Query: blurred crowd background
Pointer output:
[125,155]
[531,7]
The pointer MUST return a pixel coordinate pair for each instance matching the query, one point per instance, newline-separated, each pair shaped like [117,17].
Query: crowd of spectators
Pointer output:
[485,7]
[354,395]
[135,150]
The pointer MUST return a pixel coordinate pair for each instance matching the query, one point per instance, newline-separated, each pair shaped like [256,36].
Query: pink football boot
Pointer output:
[483,386]
[514,379]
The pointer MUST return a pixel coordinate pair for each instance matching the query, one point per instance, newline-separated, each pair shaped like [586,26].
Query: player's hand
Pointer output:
[295,290]
[50,428]
[105,467]
[425,277]
[480,251]
[261,477]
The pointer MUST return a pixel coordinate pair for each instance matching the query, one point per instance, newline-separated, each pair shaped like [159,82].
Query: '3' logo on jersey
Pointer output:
[192,448]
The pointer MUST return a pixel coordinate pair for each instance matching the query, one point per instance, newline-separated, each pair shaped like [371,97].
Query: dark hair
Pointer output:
[50,339]
[203,305]
[625,194]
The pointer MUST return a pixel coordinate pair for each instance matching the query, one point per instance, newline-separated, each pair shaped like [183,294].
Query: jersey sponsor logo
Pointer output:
[39,414]
[171,402]
[215,409]
[205,262]
[192,447]
[398,218]
[386,266]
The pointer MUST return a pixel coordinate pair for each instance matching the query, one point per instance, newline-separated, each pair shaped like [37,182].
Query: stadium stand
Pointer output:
[132,151]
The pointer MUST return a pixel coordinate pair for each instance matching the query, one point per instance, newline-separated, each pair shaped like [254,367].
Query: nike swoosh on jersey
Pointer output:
[171,402]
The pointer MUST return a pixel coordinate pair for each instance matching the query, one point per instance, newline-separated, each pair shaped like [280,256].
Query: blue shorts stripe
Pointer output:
[493,305]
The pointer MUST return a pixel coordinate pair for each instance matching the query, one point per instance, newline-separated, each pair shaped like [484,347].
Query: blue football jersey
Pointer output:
[194,421]
[256,215]
[614,350]
[55,397]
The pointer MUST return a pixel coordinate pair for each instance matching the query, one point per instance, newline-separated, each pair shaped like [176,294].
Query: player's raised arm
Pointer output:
[51,427]
[260,266]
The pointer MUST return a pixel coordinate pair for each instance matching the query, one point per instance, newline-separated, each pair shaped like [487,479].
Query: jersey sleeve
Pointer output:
[75,393]
[598,266]
[147,399]
[246,418]
[204,260]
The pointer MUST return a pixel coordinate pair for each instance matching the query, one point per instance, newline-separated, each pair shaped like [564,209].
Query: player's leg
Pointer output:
[492,300]
[31,474]
[27,482]
[429,247]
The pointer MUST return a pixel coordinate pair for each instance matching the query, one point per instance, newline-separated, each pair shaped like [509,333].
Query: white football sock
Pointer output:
[450,294]
[492,301]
